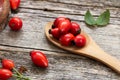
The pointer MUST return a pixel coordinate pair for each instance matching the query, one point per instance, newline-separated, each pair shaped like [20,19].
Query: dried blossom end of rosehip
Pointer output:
[55,33]
[78,32]
[69,19]
[49,31]
[53,26]
[72,42]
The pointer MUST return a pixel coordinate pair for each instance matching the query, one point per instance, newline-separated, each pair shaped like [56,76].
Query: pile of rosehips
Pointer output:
[67,32]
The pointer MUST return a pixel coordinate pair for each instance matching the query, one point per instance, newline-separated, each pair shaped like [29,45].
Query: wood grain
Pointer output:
[62,64]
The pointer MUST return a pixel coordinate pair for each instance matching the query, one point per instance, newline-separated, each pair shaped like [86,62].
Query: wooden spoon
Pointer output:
[91,50]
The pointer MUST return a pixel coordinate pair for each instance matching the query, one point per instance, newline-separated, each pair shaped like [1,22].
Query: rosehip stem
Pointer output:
[17,72]
[19,76]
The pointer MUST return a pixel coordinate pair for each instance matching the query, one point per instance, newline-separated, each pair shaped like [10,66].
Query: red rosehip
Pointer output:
[75,28]
[5,74]
[64,26]
[7,64]
[66,39]
[14,4]
[39,58]
[80,40]
[55,32]
[57,21]
[15,23]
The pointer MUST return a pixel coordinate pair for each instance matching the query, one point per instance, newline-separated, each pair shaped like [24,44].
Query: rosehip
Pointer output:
[15,23]
[66,39]
[39,58]
[5,74]
[64,26]
[7,64]
[57,21]
[80,40]
[75,28]
[55,32]
[14,4]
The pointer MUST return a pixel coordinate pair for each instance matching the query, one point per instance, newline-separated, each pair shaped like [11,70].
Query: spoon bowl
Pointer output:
[91,50]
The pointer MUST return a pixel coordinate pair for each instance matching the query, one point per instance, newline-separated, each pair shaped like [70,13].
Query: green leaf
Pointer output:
[103,19]
[89,19]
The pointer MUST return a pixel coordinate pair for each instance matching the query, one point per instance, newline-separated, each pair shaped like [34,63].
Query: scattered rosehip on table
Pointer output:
[15,23]
[39,58]
[14,4]
[7,64]
[5,74]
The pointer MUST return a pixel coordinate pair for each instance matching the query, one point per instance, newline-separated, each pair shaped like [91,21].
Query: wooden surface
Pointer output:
[63,65]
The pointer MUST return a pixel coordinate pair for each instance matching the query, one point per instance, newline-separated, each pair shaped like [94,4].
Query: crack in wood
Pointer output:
[29,48]
[59,12]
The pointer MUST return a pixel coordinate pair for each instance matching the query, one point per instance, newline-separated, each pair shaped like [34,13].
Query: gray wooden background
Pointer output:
[63,65]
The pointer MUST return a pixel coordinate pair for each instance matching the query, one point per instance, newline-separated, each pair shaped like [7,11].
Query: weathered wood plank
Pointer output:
[52,14]
[69,9]
[60,68]
[94,3]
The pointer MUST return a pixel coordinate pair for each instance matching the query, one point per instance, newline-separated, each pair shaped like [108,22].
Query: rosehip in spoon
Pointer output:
[75,28]
[64,26]
[66,39]
[57,21]
[80,40]
[55,32]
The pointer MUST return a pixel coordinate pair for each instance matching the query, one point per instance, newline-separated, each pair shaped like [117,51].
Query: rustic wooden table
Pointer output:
[63,65]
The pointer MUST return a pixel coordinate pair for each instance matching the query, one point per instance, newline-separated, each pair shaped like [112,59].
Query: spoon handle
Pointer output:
[91,50]
[97,53]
